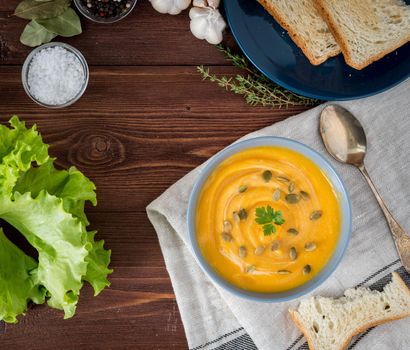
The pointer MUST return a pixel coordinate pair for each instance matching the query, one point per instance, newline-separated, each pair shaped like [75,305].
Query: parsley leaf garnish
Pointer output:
[268,229]
[268,217]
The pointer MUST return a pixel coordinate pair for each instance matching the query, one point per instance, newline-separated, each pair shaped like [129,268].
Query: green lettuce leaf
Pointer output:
[60,240]
[46,205]
[19,148]
[18,281]
[98,260]
[69,185]
[74,189]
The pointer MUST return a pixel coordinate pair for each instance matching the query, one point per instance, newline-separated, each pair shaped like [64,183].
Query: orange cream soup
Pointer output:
[221,197]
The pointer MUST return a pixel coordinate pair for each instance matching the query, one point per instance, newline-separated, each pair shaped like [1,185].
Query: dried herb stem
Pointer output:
[254,86]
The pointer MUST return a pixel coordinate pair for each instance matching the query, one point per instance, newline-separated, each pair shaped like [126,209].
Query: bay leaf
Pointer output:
[32,9]
[67,24]
[35,34]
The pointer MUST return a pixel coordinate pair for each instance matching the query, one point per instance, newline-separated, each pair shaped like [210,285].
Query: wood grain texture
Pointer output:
[145,37]
[137,130]
[145,121]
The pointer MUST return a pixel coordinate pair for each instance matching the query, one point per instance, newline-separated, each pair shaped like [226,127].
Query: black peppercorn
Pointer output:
[106,8]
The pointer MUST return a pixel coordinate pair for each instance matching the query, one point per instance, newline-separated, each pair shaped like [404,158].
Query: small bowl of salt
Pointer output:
[55,75]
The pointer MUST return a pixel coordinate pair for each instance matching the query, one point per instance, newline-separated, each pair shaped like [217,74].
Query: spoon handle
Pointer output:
[400,237]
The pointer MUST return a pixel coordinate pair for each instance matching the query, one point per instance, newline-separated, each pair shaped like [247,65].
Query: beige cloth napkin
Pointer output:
[215,319]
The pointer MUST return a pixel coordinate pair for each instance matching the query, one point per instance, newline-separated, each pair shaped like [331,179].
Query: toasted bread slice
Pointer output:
[330,324]
[367,30]
[302,20]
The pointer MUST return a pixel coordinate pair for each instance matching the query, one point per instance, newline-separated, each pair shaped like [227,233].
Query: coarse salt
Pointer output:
[55,76]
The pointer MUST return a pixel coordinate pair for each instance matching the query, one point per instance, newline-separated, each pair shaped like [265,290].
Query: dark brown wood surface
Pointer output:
[146,119]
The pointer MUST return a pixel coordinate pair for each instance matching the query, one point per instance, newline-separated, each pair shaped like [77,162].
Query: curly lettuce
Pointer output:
[18,281]
[46,206]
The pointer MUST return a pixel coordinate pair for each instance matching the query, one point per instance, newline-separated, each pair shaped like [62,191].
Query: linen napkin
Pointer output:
[215,319]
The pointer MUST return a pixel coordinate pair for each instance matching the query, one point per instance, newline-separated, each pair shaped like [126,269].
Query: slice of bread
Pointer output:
[302,20]
[330,324]
[367,30]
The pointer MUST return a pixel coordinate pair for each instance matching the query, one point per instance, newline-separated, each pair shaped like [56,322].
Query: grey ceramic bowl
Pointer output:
[346,218]
[26,67]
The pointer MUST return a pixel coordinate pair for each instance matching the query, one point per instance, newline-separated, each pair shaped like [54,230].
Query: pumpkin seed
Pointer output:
[267,175]
[236,217]
[250,268]
[293,231]
[259,250]
[304,195]
[243,188]
[291,187]
[317,214]
[275,246]
[307,269]
[242,251]
[227,237]
[293,254]
[284,272]
[227,226]
[242,214]
[276,195]
[292,198]
[310,246]
[283,179]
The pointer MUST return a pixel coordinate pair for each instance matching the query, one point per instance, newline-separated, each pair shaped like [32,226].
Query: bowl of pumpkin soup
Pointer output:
[269,219]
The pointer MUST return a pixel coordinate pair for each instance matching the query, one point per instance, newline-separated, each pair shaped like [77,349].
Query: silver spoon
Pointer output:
[345,140]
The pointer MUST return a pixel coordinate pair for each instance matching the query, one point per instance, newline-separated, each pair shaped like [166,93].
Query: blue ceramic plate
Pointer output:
[345,229]
[271,50]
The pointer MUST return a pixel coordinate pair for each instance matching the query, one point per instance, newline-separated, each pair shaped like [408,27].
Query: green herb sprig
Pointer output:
[268,217]
[48,19]
[253,85]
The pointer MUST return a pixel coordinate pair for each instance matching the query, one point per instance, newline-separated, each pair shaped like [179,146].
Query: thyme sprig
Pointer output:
[254,86]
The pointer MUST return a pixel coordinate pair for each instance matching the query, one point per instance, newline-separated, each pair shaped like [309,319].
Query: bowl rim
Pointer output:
[74,51]
[345,209]
[83,10]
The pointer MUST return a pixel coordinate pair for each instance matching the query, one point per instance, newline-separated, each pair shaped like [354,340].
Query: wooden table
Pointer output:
[146,120]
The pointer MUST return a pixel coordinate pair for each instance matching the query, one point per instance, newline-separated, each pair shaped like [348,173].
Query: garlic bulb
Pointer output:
[207,23]
[173,7]
[205,3]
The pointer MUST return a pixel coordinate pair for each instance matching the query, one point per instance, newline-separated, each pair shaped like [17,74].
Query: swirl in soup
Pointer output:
[268,219]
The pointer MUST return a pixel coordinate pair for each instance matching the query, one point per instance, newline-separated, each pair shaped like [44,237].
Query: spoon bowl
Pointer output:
[343,135]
